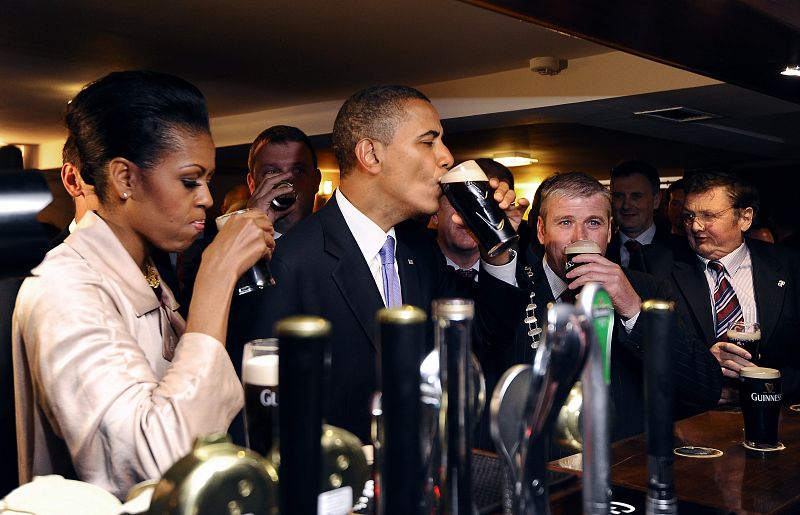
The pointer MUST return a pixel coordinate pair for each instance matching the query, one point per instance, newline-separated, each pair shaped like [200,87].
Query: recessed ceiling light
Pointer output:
[791,71]
[514,159]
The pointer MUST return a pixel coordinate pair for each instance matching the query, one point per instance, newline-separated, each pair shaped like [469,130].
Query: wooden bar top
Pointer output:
[740,481]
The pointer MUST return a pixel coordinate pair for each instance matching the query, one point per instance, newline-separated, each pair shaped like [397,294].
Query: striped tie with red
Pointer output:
[726,304]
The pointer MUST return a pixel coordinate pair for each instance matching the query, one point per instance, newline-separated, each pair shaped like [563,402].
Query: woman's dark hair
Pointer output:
[134,115]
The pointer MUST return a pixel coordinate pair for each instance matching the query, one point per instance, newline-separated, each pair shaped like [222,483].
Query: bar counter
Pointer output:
[739,481]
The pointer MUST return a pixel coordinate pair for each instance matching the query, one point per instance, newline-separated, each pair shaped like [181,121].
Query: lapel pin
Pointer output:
[781,283]
[410,261]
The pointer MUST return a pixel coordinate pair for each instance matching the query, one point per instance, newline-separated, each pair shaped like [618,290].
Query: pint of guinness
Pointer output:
[760,396]
[577,248]
[746,335]
[260,379]
[467,188]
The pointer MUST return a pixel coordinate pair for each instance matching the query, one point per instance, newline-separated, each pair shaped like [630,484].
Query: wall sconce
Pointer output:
[514,159]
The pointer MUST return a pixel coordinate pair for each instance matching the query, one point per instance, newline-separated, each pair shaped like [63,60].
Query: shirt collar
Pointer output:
[646,238]
[733,261]
[368,235]
[557,284]
[475,266]
[98,245]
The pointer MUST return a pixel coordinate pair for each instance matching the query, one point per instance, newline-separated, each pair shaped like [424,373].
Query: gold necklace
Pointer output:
[151,275]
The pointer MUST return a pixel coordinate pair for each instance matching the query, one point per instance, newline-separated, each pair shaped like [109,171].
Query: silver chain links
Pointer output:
[534,331]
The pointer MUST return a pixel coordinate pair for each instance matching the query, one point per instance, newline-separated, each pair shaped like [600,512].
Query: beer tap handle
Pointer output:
[402,333]
[658,319]
[598,324]
[556,366]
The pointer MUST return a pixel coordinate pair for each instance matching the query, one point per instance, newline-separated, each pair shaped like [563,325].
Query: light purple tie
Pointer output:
[391,283]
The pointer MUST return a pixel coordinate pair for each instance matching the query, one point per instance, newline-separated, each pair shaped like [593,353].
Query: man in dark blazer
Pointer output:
[719,209]
[635,195]
[388,141]
[575,207]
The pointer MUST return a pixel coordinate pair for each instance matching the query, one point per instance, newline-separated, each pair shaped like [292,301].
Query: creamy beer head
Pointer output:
[760,373]
[466,171]
[261,370]
[741,336]
[582,247]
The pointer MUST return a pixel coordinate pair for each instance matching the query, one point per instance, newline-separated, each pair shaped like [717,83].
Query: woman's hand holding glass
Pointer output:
[243,239]
[247,238]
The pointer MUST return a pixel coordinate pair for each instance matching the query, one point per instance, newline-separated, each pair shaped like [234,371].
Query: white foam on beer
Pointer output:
[582,247]
[466,171]
[744,337]
[261,370]
[760,372]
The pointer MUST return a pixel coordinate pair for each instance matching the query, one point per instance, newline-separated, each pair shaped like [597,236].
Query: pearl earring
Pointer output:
[125,195]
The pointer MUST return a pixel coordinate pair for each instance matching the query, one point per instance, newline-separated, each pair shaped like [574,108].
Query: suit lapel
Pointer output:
[613,250]
[767,274]
[351,273]
[692,283]
[409,276]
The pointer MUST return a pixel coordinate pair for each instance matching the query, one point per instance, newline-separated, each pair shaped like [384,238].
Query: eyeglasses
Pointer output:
[704,219]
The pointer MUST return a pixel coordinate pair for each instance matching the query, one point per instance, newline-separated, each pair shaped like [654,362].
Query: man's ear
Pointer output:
[251,182]
[540,229]
[368,155]
[121,178]
[317,178]
[657,200]
[746,218]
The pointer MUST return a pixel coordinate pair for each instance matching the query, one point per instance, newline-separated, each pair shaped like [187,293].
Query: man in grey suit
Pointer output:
[723,272]
[363,251]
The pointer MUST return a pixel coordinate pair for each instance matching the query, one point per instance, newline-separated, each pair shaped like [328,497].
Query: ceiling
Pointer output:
[253,56]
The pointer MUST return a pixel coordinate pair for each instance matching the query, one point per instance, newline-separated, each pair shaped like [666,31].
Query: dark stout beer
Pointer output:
[760,397]
[260,378]
[467,188]
[577,248]
[747,336]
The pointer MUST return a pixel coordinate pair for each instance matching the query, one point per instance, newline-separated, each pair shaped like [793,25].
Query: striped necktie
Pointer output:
[391,282]
[726,304]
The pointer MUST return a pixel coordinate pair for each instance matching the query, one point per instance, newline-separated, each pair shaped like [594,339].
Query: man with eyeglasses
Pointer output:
[724,277]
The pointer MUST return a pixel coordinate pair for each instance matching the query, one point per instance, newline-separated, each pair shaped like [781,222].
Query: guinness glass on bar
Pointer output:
[576,248]
[467,188]
[260,379]
[760,396]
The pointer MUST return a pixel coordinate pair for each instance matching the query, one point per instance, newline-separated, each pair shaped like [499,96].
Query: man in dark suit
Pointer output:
[575,207]
[635,195]
[765,278]
[338,263]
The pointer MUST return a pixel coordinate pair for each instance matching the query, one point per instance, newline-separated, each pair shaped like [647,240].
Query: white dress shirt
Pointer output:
[646,238]
[740,269]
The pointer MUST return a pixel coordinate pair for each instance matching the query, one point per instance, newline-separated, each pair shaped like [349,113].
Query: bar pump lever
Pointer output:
[556,367]
[597,319]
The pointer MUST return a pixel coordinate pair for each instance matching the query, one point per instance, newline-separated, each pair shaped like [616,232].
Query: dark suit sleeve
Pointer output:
[696,373]
[501,308]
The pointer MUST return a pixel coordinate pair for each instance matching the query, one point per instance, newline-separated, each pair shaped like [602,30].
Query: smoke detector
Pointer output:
[548,65]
